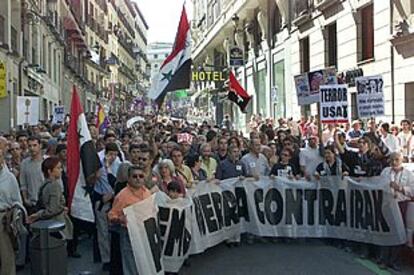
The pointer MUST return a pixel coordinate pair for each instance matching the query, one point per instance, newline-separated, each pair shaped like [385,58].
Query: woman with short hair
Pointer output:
[51,204]
[166,170]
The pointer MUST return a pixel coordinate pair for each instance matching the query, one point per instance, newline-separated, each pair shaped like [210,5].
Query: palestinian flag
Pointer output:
[237,94]
[82,161]
[175,71]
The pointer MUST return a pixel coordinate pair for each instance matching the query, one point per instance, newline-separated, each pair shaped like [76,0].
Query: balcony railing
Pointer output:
[127,71]
[128,46]
[75,8]
[302,11]
[73,63]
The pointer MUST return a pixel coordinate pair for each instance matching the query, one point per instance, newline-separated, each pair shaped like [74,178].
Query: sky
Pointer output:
[162,17]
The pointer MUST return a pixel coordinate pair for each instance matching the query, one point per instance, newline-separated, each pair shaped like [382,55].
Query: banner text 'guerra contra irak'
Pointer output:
[168,231]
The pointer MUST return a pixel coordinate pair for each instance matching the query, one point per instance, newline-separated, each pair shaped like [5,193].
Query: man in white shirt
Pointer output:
[405,138]
[328,134]
[391,141]
[310,157]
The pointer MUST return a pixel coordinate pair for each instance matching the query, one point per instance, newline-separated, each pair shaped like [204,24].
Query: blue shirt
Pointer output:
[102,185]
[228,169]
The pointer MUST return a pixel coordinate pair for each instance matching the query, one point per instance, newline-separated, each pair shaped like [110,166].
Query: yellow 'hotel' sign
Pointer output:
[208,76]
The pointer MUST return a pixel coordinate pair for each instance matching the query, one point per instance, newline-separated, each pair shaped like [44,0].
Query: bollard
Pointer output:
[47,250]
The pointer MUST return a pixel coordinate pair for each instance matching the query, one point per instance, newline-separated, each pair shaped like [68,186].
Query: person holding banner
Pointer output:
[231,167]
[310,157]
[285,167]
[402,185]
[167,172]
[255,162]
[390,140]
[134,192]
[332,165]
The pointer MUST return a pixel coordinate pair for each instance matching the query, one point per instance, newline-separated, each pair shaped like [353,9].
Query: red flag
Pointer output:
[237,94]
[82,161]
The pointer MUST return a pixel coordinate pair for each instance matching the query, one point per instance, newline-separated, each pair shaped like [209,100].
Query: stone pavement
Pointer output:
[298,257]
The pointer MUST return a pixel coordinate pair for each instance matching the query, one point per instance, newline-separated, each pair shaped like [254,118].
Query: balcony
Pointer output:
[127,71]
[102,4]
[403,33]
[97,28]
[322,5]
[73,63]
[75,8]
[124,21]
[126,44]
[302,12]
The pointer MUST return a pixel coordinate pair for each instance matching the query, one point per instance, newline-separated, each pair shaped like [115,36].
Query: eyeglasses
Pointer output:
[136,176]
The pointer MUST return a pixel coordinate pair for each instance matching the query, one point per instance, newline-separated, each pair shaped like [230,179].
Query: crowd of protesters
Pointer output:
[173,156]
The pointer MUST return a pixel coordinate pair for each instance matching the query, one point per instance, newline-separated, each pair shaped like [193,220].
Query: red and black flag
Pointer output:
[83,162]
[237,94]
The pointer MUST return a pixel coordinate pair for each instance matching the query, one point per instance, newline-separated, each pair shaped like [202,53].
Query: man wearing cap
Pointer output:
[310,157]
[355,133]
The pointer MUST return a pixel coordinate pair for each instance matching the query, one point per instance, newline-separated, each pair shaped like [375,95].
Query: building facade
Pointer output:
[157,53]
[284,38]
[49,46]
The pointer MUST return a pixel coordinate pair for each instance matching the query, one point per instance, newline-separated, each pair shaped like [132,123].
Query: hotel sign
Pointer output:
[209,76]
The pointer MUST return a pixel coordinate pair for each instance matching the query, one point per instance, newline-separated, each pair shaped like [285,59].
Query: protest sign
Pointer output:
[58,114]
[370,96]
[333,104]
[307,84]
[363,211]
[27,110]
[303,90]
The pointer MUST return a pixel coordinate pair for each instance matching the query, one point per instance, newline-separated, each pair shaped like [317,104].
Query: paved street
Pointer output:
[313,257]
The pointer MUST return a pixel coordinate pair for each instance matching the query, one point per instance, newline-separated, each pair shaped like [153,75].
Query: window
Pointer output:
[409,100]
[14,39]
[155,66]
[276,20]
[366,33]
[279,84]
[304,55]
[155,56]
[331,46]
[2,29]
[261,93]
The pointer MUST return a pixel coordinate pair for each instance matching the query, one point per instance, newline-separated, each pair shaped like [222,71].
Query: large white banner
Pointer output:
[144,233]
[370,96]
[363,211]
